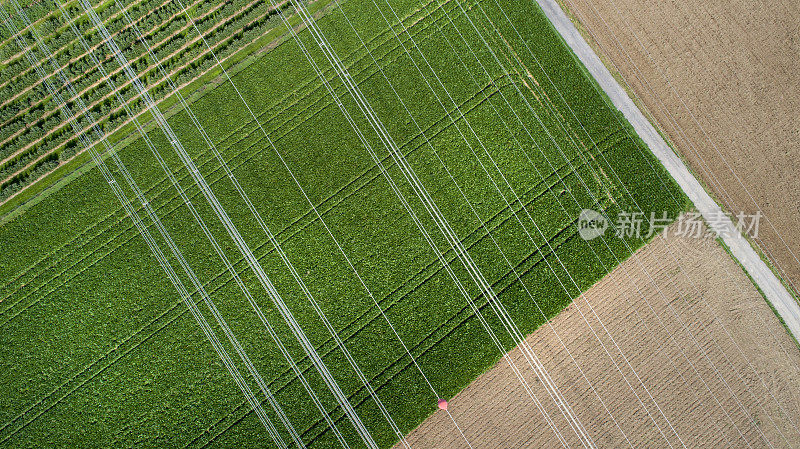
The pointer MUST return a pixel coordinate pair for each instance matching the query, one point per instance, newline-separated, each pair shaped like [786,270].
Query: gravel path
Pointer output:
[783,302]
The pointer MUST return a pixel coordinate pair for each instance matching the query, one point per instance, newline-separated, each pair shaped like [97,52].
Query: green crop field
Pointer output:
[98,349]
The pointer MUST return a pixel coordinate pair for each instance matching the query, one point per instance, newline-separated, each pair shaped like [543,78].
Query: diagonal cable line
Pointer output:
[479,138]
[247,252]
[222,255]
[157,252]
[462,117]
[445,264]
[266,230]
[678,129]
[671,253]
[590,247]
[589,191]
[433,211]
[716,149]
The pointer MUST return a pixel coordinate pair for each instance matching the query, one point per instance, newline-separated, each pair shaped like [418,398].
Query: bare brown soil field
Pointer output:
[695,286]
[733,64]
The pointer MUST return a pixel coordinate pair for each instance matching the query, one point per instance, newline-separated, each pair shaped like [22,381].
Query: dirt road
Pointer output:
[775,291]
[702,291]
[720,78]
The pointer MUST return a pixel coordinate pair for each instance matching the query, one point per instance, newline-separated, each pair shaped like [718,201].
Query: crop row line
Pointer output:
[61,49]
[26,29]
[59,250]
[105,356]
[285,132]
[177,206]
[23,178]
[31,170]
[106,98]
[462,316]
[388,296]
[156,27]
[416,346]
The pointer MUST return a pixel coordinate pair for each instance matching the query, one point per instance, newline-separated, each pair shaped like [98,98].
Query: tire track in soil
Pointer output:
[482,303]
[302,360]
[129,227]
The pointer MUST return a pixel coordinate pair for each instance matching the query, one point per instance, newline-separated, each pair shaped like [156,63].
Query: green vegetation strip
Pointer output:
[96,349]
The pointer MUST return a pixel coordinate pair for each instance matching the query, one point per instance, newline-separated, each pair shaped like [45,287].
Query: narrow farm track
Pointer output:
[326,102]
[107,329]
[774,290]
[431,270]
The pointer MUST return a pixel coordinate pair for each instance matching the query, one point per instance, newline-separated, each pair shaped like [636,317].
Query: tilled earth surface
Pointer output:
[717,368]
[719,78]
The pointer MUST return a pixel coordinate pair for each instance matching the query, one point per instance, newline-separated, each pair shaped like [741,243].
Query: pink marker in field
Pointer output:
[442,404]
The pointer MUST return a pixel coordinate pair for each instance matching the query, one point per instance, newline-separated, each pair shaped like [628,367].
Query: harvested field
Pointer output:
[733,64]
[495,412]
